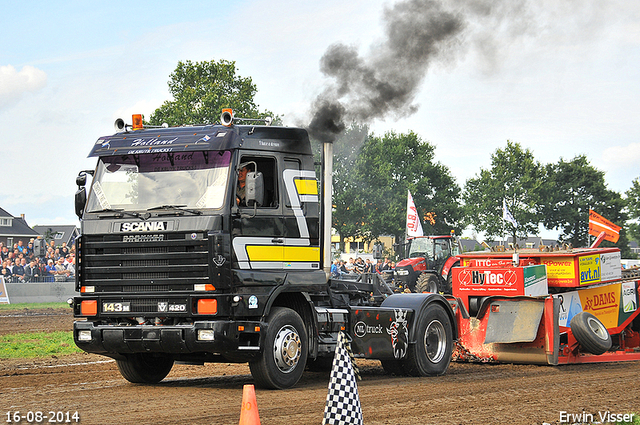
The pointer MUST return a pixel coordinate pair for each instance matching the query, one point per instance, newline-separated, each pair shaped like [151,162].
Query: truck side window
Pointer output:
[266,166]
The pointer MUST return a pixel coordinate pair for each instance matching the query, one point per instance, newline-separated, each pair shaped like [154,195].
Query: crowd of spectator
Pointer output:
[359,266]
[21,264]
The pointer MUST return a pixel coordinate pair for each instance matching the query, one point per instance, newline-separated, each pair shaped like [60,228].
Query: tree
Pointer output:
[633,206]
[375,193]
[515,178]
[346,217]
[574,187]
[201,90]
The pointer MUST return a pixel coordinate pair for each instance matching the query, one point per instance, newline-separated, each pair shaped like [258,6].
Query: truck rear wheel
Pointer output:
[427,282]
[142,368]
[431,354]
[285,351]
[590,333]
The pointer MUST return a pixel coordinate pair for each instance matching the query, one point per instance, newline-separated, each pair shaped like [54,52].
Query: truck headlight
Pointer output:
[402,272]
[205,335]
[84,335]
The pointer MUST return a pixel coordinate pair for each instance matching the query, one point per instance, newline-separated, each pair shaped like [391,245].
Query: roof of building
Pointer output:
[67,232]
[19,227]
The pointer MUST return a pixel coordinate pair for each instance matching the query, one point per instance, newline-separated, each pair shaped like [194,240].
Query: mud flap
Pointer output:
[513,321]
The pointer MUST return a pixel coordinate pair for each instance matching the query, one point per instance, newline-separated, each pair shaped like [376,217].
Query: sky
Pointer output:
[561,77]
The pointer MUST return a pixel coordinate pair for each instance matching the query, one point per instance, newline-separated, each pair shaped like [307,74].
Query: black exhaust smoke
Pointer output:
[387,80]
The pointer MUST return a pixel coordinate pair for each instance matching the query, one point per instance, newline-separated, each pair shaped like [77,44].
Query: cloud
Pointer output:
[622,155]
[14,84]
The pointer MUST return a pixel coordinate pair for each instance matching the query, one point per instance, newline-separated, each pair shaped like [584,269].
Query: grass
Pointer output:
[37,344]
[31,306]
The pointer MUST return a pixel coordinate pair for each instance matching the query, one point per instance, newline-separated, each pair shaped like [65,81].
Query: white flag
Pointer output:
[506,214]
[414,227]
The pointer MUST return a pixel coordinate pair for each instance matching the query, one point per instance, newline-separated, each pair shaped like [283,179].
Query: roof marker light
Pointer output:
[137,121]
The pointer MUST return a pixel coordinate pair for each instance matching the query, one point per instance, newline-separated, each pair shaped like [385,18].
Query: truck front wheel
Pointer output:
[144,368]
[285,351]
[431,354]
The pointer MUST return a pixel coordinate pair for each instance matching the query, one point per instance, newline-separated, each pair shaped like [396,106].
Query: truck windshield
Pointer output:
[140,182]
[421,247]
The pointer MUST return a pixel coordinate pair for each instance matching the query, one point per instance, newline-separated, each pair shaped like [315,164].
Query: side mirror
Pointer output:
[254,189]
[81,180]
[81,201]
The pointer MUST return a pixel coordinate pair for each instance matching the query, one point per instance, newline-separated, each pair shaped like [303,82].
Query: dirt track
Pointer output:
[212,394]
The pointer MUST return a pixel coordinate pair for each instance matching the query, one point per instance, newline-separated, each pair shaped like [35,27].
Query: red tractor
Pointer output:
[427,263]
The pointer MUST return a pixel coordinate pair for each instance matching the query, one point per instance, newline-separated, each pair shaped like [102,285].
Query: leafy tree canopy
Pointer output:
[201,90]
[514,177]
[633,206]
[371,201]
[572,188]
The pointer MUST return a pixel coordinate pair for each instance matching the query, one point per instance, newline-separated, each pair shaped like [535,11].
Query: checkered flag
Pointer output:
[343,401]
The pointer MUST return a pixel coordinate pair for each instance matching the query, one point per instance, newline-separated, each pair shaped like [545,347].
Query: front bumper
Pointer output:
[233,340]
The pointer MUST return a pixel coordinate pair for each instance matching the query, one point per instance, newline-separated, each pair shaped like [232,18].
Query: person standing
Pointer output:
[18,271]
[6,271]
[61,272]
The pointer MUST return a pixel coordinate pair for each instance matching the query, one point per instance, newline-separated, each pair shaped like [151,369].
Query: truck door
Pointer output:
[258,236]
[301,217]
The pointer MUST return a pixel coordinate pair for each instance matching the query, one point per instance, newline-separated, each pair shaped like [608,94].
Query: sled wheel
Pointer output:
[285,351]
[392,367]
[431,354]
[142,368]
[427,282]
[590,333]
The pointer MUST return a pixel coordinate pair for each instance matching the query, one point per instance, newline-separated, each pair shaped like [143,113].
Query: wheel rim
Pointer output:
[287,348]
[598,328]
[435,343]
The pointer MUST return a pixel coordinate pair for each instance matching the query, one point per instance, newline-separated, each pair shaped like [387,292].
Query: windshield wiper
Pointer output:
[119,213]
[179,209]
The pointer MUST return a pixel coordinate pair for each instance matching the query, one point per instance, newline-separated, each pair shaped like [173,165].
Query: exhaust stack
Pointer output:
[327,184]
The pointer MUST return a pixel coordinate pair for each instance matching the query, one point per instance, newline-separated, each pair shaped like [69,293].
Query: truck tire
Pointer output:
[431,354]
[285,351]
[142,368]
[590,333]
[427,282]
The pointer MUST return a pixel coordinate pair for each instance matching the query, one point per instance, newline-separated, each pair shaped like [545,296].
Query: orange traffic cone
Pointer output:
[249,413]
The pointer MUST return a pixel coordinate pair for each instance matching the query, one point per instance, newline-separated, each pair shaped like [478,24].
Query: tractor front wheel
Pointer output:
[427,282]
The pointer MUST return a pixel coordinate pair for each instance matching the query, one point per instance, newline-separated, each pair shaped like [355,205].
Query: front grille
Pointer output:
[145,288]
[143,275]
[144,250]
[174,263]
[145,263]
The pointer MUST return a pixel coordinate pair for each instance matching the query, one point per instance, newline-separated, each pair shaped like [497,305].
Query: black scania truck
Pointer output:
[172,268]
